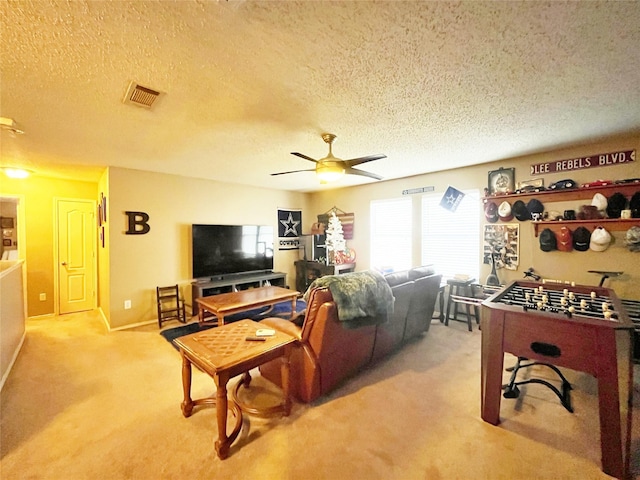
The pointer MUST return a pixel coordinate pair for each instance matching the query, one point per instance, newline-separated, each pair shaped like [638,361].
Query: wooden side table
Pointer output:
[307,271]
[224,353]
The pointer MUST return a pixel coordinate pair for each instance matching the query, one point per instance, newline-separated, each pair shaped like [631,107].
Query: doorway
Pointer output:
[76,255]
[9,218]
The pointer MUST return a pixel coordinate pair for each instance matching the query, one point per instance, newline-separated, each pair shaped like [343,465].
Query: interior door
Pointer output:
[76,255]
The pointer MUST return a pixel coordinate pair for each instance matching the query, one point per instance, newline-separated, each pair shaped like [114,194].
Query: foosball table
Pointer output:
[584,328]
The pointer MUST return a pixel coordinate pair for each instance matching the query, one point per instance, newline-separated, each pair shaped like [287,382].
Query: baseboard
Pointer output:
[133,325]
[13,360]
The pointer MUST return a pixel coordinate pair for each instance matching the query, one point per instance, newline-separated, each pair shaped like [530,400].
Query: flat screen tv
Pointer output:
[225,249]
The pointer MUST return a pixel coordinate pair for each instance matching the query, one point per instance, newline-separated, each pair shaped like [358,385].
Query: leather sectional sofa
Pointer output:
[328,352]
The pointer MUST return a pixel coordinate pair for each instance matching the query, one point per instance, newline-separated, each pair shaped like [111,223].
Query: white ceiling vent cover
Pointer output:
[140,96]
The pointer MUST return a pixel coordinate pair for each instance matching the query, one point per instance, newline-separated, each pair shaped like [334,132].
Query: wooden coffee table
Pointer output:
[224,353]
[235,302]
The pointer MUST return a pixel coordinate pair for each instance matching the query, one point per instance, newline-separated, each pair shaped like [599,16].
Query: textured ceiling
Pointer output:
[432,85]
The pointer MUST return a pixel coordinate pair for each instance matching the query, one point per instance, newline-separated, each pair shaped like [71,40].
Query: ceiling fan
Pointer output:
[330,168]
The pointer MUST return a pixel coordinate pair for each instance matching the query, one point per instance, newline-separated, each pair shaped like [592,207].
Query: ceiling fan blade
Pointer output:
[354,171]
[302,155]
[360,160]
[294,171]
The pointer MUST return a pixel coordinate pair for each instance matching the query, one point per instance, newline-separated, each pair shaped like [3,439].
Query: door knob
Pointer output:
[64,263]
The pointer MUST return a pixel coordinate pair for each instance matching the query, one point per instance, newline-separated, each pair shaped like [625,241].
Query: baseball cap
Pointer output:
[520,211]
[548,240]
[504,211]
[599,201]
[565,240]
[632,239]
[589,212]
[634,205]
[534,206]
[563,184]
[600,239]
[581,238]
[491,212]
[616,203]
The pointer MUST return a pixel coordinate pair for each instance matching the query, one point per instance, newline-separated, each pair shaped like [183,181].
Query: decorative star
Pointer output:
[451,199]
[290,225]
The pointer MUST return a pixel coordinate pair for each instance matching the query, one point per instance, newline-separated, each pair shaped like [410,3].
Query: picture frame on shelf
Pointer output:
[502,181]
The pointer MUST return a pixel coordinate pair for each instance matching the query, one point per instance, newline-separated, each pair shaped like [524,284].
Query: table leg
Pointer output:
[491,368]
[293,307]
[449,302]
[246,379]
[469,324]
[187,403]
[224,442]
[615,384]
[284,372]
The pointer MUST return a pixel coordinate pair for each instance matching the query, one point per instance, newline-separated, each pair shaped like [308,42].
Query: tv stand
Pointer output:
[233,283]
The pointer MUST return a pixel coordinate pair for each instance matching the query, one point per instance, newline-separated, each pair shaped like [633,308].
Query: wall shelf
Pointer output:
[627,189]
[612,224]
[581,193]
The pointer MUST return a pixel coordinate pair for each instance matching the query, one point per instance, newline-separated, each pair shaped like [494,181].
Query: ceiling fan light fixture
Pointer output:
[329,171]
[16,172]
[330,168]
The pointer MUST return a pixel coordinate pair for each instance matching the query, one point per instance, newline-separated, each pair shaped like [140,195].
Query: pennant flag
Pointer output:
[451,199]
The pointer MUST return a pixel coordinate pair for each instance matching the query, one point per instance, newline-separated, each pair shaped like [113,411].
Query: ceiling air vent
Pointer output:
[140,96]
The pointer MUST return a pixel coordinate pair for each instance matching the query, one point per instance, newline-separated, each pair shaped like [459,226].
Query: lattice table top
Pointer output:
[223,347]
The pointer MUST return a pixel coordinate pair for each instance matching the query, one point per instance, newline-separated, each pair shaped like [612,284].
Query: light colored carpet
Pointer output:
[82,403]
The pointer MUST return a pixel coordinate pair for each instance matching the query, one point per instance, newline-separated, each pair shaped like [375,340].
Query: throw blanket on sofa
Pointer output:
[362,298]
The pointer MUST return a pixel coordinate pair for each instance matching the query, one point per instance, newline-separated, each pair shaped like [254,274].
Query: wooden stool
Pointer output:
[440,315]
[458,289]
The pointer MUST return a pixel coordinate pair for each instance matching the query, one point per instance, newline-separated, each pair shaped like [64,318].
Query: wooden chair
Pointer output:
[170,305]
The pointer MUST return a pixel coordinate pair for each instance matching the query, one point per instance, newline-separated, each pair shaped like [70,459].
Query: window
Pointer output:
[451,240]
[391,234]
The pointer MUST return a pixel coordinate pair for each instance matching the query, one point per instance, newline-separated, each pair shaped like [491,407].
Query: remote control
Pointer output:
[255,339]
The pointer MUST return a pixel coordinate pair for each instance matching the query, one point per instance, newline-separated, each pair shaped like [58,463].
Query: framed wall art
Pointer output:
[6,222]
[502,181]
[502,245]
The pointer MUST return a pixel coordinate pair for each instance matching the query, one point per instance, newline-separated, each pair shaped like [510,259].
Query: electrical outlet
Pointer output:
[127,304]
[43,297]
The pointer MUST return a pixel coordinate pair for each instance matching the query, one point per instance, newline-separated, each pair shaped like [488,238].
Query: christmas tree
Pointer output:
[335,238]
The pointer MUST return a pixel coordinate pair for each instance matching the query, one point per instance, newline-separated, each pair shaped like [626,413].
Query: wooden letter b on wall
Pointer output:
[137,223]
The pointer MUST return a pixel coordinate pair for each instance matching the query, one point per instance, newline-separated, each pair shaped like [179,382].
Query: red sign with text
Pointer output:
[597,160]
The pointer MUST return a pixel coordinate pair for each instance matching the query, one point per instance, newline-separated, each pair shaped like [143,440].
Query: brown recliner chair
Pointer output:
[326,352]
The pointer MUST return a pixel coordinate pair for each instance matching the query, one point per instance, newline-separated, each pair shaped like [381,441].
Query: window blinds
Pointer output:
[391,227]
[451,240]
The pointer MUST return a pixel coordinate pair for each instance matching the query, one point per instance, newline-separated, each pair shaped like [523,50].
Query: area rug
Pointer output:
[279,310]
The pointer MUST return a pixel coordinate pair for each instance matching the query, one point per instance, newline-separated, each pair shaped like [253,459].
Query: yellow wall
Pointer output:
[104,288]
[139,263]
[39,203]
[571,266]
